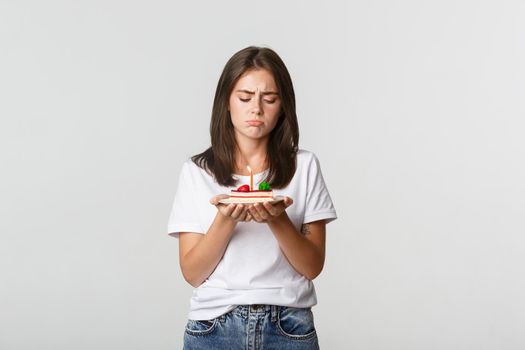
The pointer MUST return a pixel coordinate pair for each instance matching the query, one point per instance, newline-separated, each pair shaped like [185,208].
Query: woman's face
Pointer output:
[254,105]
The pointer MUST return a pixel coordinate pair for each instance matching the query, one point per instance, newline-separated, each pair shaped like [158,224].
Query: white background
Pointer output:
[415,109]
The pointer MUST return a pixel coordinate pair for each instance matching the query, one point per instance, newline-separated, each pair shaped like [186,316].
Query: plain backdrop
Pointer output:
[415,109]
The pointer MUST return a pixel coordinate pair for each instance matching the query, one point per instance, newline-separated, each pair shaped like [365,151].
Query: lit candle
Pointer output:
[251,178]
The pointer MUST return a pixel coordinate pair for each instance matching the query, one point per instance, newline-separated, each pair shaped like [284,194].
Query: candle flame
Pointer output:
[249,169]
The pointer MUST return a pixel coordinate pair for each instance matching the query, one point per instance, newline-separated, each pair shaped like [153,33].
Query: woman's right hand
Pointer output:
[237,212]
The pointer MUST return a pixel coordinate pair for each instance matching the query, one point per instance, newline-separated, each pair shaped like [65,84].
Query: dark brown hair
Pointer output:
[219,159]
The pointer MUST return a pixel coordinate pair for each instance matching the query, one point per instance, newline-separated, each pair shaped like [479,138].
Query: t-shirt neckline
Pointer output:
[262,173]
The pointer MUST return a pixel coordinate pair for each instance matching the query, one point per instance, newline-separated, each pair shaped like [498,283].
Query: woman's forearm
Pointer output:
[306,257]
[201,260]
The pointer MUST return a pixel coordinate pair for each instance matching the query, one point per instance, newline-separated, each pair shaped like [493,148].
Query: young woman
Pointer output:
[252,265]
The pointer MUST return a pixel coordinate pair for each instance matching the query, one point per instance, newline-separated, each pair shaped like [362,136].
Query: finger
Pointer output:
[287,201]
[226,210]
[215,200]
[255,214]
[237,211]
[273,210]
[243,215]
[248,217]
[261,210]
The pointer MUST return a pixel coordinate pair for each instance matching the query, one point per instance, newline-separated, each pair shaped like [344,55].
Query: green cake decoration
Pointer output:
[264,186]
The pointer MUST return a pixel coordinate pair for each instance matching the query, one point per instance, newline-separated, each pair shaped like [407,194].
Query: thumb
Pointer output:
[215,200]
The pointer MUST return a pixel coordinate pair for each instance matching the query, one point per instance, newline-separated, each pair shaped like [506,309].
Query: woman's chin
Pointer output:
[253,135]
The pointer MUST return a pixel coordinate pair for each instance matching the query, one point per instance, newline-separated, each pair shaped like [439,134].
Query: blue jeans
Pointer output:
[254,327]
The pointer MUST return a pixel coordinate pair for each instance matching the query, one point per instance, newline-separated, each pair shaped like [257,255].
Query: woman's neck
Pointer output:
[253,155]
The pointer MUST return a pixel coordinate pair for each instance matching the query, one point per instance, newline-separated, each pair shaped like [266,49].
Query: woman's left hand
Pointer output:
[265,212]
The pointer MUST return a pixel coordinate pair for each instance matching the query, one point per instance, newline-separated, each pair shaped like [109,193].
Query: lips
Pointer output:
[254,122]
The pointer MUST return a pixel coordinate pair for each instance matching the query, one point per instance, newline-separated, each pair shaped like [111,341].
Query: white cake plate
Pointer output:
[276,199]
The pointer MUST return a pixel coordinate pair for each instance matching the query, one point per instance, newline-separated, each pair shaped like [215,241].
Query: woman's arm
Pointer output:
[304,250]
[199,254]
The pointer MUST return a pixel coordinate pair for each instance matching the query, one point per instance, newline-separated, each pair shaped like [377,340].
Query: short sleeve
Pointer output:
[184,215]
[319,204]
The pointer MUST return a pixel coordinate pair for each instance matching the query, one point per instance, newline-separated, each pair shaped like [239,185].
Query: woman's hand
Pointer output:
[236,212]
[266,212]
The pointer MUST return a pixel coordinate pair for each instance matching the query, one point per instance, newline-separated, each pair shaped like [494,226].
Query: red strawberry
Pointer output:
[244,188]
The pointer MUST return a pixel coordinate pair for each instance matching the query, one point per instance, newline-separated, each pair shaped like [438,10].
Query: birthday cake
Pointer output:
[246,195]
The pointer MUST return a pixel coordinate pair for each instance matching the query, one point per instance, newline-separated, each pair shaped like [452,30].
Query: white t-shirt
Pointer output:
[253,269]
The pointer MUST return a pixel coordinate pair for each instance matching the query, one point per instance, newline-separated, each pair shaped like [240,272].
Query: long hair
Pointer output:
[219,159]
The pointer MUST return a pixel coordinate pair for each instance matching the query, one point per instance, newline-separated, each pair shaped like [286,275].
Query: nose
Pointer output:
[257,105]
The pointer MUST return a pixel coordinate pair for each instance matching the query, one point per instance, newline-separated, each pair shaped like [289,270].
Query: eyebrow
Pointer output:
[262,93]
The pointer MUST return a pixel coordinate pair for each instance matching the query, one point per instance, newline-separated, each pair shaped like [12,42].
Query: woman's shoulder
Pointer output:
[303,153]
[305,157]
[188,163]
[191,168]
[191,173]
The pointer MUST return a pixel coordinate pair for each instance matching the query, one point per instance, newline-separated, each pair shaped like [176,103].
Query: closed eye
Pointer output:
[247,99]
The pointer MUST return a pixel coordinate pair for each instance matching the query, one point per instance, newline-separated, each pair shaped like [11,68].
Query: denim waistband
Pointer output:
[256,309]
